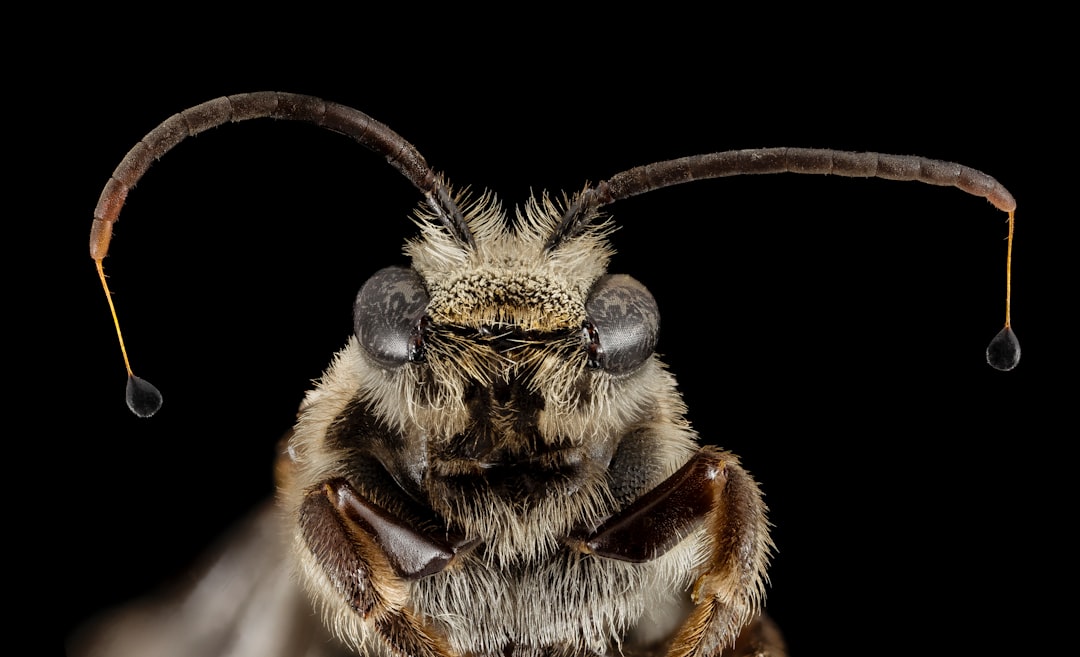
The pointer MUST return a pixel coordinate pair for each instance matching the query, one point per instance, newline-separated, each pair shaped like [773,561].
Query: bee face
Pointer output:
[487,374]
[497,463]
[484,398]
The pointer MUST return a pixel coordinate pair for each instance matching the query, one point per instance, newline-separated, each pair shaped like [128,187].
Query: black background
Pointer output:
[830,331]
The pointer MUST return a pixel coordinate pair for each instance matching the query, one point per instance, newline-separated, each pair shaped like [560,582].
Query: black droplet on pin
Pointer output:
[142,397]
[1003,353]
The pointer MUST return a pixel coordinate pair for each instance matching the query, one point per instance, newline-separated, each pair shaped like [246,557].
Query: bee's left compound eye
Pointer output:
[389,316]
[622,325]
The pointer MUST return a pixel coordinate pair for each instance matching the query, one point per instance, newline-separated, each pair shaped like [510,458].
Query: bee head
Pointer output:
[507,305]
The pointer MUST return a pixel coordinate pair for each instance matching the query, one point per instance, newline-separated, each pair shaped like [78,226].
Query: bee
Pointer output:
[497,463]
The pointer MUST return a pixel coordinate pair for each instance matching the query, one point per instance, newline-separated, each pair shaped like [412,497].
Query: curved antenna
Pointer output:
[377,137]
[142,397]
[1004,350]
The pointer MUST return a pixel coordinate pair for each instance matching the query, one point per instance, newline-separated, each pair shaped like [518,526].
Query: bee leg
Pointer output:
[368,556]
[712,488]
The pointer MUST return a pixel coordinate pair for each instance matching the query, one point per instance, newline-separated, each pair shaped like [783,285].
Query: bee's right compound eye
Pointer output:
[622,324]
[389,316]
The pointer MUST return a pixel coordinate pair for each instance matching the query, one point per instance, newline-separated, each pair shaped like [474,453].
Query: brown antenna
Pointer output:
[142,397]
[1003,353]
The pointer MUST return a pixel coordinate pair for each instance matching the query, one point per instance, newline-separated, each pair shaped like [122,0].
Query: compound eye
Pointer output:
[389,316]
[622,324]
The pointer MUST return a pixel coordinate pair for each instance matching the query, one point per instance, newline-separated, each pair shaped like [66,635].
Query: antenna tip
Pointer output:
[1003,353]
[142,397]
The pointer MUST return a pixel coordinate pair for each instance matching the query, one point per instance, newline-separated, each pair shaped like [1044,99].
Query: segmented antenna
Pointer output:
[1003,353]
[143,398]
